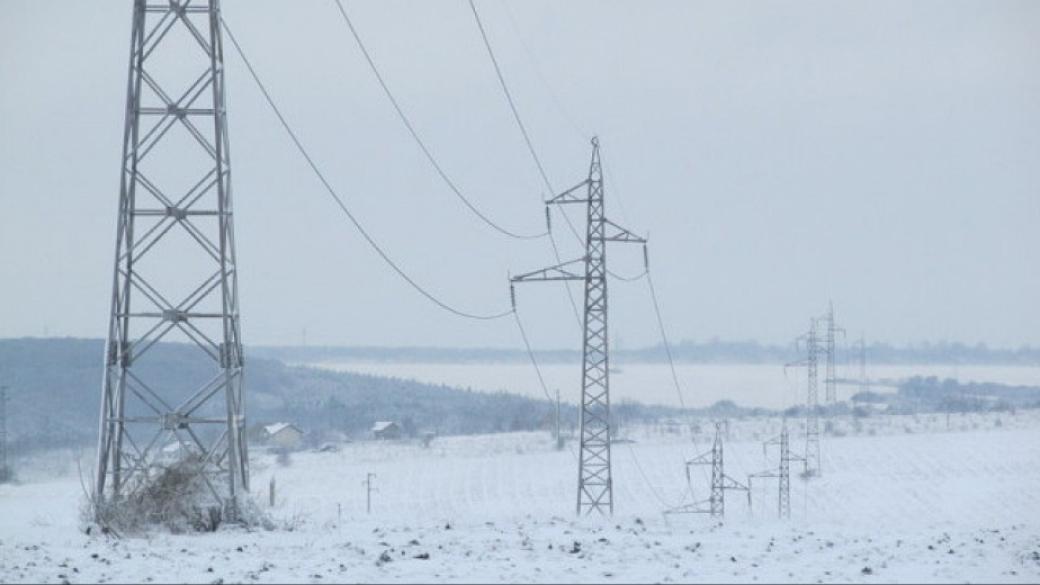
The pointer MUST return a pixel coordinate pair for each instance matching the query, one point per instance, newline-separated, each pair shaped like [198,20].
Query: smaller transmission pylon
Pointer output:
[813,349]
[830,381]
[782,472]
[4,471]
[720,482]
[862,363]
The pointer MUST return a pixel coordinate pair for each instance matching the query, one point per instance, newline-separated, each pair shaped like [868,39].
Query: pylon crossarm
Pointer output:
[558,272]
[619,234]
[569,196]
[702,459]
[728,483]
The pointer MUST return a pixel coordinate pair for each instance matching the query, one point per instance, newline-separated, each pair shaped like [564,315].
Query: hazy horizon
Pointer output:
[882,154]
[847,345]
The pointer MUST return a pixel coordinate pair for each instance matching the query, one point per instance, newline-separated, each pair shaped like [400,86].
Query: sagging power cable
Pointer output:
[530,355]
[664,338]
[339,200]
[509,98]
[537,368]
[421,143]
[534,154]
[564,111]
[668,351]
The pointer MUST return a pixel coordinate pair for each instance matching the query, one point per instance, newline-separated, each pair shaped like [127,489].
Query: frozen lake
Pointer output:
[763,385]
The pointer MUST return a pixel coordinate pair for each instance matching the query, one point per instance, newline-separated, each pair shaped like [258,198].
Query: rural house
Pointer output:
[386,430]
[284,435]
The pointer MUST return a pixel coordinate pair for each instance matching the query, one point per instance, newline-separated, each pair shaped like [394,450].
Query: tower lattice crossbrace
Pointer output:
[595,483]
[175,276]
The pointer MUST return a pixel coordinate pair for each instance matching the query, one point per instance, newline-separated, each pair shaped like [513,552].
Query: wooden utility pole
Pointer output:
[368,492]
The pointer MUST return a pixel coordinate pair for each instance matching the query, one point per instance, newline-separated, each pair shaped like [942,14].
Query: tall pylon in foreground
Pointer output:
[175,276]
[595,484]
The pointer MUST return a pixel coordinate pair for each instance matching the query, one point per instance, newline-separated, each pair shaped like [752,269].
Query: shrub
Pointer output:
[173,496]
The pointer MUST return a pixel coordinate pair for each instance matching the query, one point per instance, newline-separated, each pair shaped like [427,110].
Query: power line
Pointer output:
[667,346]
[620,195]
[664,337]
[530,355]
[560,107]
[648,483]
[622,278]
[538,370]
[339,201]
[509,98]
[422,144]
[566,285]
[534,156]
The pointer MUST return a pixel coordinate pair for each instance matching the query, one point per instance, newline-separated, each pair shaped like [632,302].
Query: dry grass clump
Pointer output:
[173,497]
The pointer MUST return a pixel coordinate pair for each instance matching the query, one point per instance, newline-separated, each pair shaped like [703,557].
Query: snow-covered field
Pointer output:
[901,499]
[762,385]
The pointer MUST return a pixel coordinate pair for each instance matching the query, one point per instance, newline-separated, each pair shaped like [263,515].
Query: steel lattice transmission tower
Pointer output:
[782,472]
[4,471]
[831,381]
[784,495]
[862,363]
[720,482]
[175,275]
[813,348]
[595,487]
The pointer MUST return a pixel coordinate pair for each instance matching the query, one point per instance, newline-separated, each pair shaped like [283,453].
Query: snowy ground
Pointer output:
[901,499]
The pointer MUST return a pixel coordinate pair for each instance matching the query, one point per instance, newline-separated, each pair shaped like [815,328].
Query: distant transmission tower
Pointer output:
[782,472]
[4,470]
[813,349]
[557,431]
[720,482]
[831,381]
[595,487]
[175,272]
[785,474]
[862,363]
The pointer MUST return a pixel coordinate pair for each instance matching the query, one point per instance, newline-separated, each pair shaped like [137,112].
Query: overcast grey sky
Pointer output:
[883,154]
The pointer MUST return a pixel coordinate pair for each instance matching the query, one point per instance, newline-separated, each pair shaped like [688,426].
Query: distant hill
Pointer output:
[55,384]
[714,351]
[54,392]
